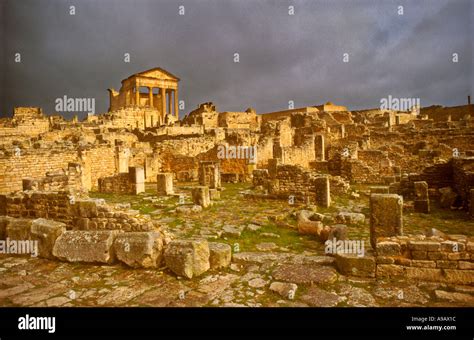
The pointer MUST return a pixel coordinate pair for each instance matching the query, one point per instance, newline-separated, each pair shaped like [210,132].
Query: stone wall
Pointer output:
[131,183]
[69,180]
[32,163]
[427,259]
[81,214]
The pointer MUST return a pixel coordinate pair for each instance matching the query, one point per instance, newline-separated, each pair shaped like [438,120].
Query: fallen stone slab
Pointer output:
[231,231]
[139,249]
[187,258]
[305,274]
[350,218]
[92,246]
[317,297]
[258,257]
[189,209]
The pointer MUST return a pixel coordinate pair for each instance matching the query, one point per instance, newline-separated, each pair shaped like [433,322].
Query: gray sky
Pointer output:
[282,57]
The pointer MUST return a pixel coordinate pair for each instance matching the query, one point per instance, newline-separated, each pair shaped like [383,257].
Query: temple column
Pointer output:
[176,111]
[137,96]
[150,93]
[163,102]
[169,102]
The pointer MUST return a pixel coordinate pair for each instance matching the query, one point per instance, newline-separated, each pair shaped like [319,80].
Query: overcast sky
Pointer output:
[282,57]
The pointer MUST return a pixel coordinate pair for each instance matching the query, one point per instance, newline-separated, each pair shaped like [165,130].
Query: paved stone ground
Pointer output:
[29,281]
[269,250]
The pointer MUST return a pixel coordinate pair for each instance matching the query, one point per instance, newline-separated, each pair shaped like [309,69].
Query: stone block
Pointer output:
[86,246]
[284,289]
[139,249]
[386,216]
[86,208]
[436,255]
[466,265]
[419,255]
[201,196]
[4,221]
[452,246]
[388,248]
[384,260]
[214,194]
[220,255]
[187,258]
[323,192]
[459,276]
[165,184]
[310,227]
[136,176]
[46,233]
[423,263]
[424,245]
[425,274]
[19,229]
[390,271]
[447,264]
[350,264]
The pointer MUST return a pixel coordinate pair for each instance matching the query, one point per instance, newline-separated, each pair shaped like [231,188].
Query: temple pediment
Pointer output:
[157,73]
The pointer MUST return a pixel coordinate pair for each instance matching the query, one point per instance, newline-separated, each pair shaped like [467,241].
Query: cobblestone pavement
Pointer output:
[272,266]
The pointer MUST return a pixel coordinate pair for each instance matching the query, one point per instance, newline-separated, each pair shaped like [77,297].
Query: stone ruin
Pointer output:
[311,160]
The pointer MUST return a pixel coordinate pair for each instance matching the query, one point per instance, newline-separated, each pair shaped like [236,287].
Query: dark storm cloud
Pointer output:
[282,57]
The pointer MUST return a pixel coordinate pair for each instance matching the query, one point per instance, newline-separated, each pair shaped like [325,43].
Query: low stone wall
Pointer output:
[297,181]
[152,249]
[80,214]
[69,180]
[426,259]
[132,182]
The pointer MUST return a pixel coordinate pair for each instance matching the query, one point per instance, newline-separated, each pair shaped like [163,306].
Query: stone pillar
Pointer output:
[163,102]
[170,110]
[323,193]
[201,196]
[123,155]
[136,176]
[137,96]
[422,201]
[319,147]
[150,94]
[210,174]
[176,109]
[165,184]
[386,216]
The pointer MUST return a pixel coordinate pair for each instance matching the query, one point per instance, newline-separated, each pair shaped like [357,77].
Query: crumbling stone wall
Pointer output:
[76,213]
[70,180]
[33,163]
[131,183]
[427,259]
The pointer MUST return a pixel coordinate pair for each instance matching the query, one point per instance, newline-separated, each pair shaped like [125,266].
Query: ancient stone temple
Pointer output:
[153,94]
